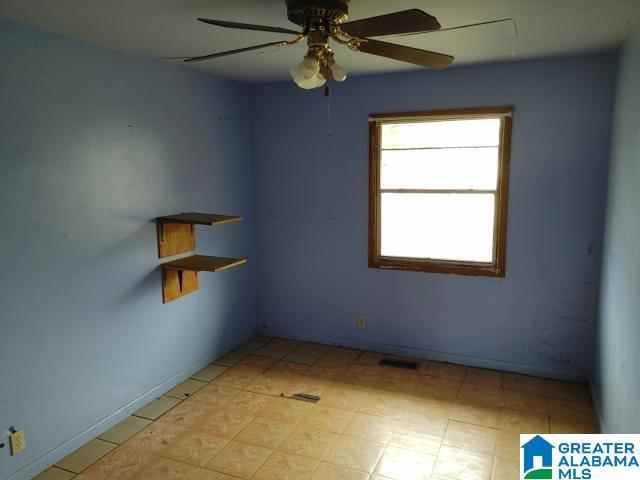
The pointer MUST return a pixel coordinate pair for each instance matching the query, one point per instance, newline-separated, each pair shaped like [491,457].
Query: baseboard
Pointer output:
[58,453]
[467,360]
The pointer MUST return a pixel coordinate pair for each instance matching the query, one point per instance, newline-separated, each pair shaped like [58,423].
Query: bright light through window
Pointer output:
[440,186]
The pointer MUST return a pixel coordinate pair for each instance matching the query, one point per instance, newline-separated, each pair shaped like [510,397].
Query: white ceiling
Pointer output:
[168,28]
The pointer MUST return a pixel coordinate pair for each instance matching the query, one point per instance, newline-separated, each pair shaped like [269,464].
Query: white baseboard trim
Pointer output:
[467,360]
[58,453]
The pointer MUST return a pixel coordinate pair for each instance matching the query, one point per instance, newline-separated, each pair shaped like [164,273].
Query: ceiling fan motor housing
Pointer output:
[301,12]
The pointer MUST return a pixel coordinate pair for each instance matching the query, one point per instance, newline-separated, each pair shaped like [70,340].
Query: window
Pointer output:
[438,191]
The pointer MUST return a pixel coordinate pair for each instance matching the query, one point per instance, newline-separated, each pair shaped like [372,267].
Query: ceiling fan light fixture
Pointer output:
[338,72]
[307,73]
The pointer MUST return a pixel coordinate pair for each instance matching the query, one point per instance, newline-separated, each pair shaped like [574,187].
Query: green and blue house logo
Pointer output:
[537,461]
[580,457]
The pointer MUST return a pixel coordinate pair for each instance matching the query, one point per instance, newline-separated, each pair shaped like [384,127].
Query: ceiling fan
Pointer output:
[325,20]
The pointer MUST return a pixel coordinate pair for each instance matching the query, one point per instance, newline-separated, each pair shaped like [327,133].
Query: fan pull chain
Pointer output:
[327,96]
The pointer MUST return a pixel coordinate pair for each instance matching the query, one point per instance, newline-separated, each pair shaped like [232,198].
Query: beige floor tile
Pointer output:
[508,445]
[527,402]
[434,387]
[287,410]
[457,464]
[345,397]
[121,464]
[567,426]
[188,414]
[300,358]
[472,438]
[265,432]
[576,392]
[157,408]
[504,469]
[186,389]
[269,385]
[194,448]
[326,372]
[434,413]
[449,371]
[55,474]
[236,378]
[255,363]
[480,395]
[124,430]
[261,338]
[571,411]
[86,455]
[523,422]
[250,402]
[481,376]
[230,359]
[209,372]
[340,354]
[215,395]
[418,438]
[239,459]
[249,347]
[523,383]
[165,469]
[313,349]
[308,442]
[370,427]
[308,386]
[475,414]
[350,378]
[355,453]
[383,405]
[399,464]
[284,466]
[328,471]
[225,423]
[277,348]
[155,438]
[288,370]
[372,422]
[397,384]
[370,358]
[327,418]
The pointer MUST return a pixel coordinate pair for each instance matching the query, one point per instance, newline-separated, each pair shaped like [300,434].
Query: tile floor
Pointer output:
[229,421]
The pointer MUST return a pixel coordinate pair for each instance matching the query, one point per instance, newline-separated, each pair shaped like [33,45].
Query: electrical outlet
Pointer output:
[362,322]
[17,442]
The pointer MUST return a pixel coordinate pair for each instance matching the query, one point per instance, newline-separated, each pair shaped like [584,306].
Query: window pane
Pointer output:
[438,226]
[438,134]
[454,168]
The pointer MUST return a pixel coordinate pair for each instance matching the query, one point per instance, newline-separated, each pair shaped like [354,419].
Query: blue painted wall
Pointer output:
[617,383]
[310,179]
[93,145]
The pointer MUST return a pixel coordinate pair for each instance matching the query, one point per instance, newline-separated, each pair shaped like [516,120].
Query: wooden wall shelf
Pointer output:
[176,235]
[203,263]
[193,218]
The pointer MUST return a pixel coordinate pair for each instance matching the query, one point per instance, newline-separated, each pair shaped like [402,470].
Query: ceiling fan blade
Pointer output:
[407,21]
[460,27]
[424,58]
[247,26]
[239,50]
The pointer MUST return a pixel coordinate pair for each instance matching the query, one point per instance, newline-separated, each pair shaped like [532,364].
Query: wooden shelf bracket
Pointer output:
[176,235]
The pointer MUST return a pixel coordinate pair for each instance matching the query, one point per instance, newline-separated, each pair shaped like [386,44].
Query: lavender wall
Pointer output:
[617,383]
[94,144]
[310,176]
